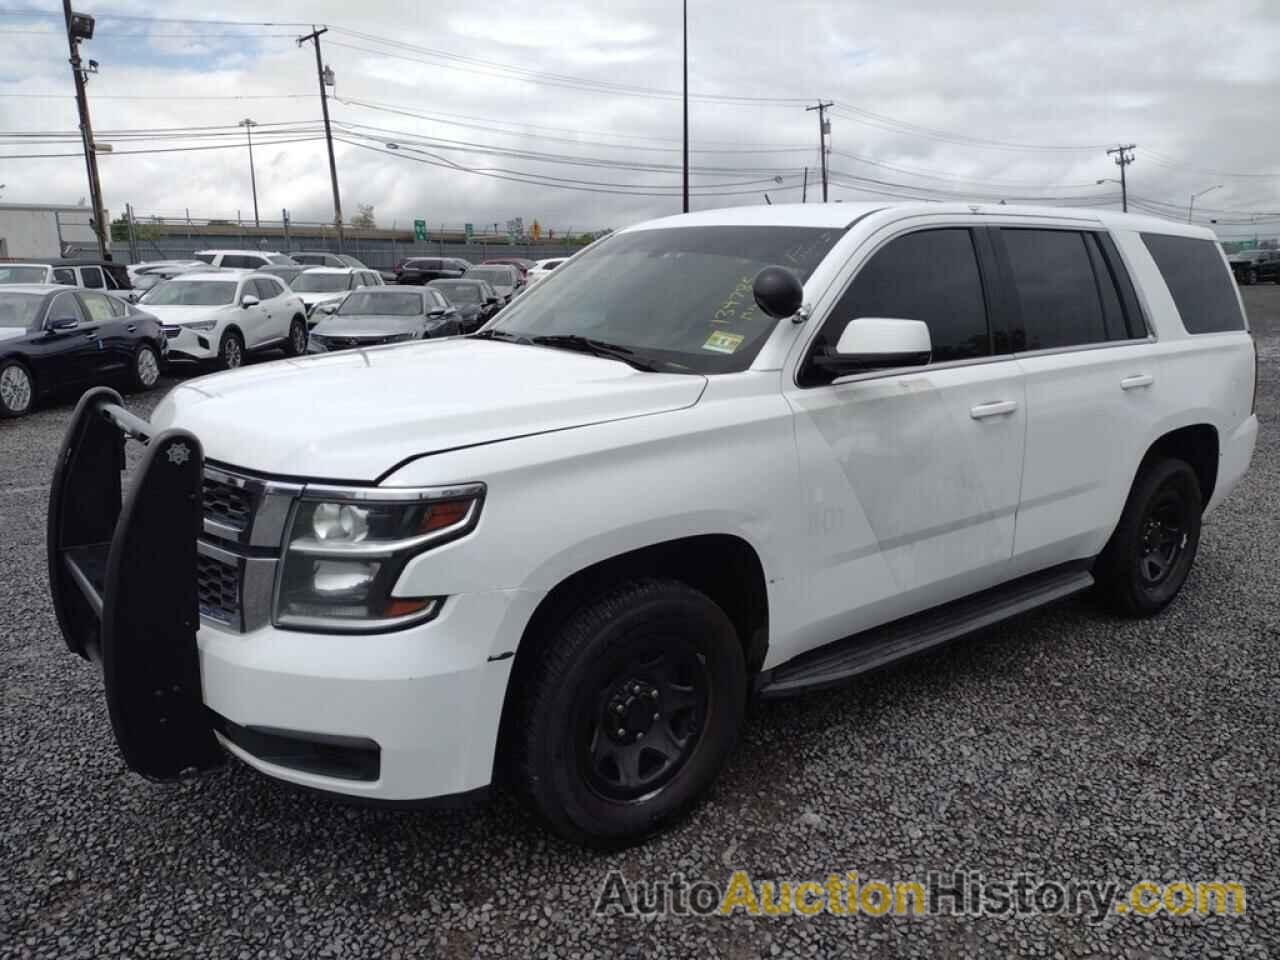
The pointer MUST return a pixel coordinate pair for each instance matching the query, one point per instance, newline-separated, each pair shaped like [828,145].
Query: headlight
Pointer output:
[201,325]
[347,547]
[326,307]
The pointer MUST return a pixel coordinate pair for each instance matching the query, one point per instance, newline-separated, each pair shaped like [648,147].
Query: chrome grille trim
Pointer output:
[245,509]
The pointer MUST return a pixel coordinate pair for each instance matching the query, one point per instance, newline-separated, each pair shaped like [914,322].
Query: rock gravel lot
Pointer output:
[1067,745]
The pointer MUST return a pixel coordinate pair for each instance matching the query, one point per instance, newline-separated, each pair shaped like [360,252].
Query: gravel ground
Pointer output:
[1065,745]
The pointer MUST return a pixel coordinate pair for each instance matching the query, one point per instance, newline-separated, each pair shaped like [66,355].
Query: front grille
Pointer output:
[219,589]
[226,503]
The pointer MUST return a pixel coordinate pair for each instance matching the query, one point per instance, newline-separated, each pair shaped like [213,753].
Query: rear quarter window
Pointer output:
[1201,284]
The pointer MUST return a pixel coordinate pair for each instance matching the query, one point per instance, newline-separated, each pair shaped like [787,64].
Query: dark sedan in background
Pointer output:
[474,300]
[52,338]
[1255,266]
[372,316]
[507,280]
[419,270]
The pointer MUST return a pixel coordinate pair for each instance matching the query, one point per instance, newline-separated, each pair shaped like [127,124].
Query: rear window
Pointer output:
[1202,287]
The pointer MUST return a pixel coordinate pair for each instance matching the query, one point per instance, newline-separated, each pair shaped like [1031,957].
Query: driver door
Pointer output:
[910,477]
[252,320]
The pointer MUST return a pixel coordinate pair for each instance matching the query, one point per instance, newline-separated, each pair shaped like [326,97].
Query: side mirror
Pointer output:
[778,292]
[436,312]
[64,323]
[873,343]
[249,300]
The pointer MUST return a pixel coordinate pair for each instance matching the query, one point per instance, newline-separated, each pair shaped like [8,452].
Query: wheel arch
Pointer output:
[725,567]
[1198,444]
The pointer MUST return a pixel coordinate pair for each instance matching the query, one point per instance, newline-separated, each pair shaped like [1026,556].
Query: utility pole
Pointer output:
[325,77]
[1124,157]
[686,105]
[80,27]
[253,177]
[824,128]
[804,191]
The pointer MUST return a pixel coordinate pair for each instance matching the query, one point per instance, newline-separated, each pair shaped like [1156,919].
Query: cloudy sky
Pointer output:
[566,112]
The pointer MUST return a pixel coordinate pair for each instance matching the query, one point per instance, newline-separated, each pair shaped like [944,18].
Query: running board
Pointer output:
[836,662]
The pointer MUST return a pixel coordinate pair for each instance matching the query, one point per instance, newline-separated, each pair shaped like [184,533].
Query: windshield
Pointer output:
[313,282]
[22,274]
[192,293]
[352,262]
[19,310]
[498,276]
[679,298]
[459,292]
[280,258]
[366,303]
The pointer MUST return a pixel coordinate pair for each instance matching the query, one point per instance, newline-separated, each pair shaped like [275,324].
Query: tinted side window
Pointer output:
[236,260]
[931,276]
[1112,309]
[98,306]
[267,289]
[65,306]
[92,278]
[1054,279]
[64,275]
[206,257]
[1201,285]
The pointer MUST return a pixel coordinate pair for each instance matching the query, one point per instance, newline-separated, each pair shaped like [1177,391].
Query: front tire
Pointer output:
[297,344]
[1149,555]
[1251,278]
[145,373]
[17,389]
[230,351]
[629,713]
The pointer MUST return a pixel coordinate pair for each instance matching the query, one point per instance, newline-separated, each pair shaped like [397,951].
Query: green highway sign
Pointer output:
[470,230]
[419,229]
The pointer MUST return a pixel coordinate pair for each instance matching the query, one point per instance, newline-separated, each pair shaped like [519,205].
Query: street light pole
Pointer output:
[80,27]
[325,76]
[686,104]
[1191,206]
[253,177]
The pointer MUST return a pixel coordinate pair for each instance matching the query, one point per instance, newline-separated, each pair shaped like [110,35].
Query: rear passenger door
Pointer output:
[1093,385]
[275,313]
[113,339]
[910,476]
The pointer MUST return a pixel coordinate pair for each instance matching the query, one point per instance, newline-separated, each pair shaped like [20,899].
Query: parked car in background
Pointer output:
[243,259]
[106,275]
[320,285]
[425,269]
[285,272]
[522,264]
[475,301]
[1255,266]
[372,317]
[541,268]
[505,279]
[147,278]
[147,266]
[572,547]
[321,258]
[223,316]
[53,338]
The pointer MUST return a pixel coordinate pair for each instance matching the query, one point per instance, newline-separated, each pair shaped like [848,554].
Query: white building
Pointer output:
[45,230]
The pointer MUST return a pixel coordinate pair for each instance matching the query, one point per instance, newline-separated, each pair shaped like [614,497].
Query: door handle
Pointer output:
[132,328]
[91,335]
[1137,380]
[996,408]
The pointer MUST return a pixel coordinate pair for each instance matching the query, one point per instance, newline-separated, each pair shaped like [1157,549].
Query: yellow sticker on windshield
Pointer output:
[722,342]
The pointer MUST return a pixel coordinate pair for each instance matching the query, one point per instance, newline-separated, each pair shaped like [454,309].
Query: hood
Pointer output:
[311,299]
[180,315]
[12,333]
[370,326]
[355,414]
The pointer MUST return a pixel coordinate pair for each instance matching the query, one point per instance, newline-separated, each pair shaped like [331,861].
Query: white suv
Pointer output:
[244,259]
[225,314]
[743,452]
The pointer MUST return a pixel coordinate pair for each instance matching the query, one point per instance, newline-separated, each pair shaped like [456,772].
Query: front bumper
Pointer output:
[188,344]
[401,716]
[427,700]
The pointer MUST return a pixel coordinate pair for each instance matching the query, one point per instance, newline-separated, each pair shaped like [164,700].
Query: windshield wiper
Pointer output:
[598,348]
[502,335]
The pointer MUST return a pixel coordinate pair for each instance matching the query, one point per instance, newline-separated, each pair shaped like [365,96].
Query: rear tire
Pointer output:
[297,344]
[1148,557]
[231,351]
[145,373]
[17,389]
[1251,278]
[629,713]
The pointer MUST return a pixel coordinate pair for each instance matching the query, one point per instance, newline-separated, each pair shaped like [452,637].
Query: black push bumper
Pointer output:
[122,571]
